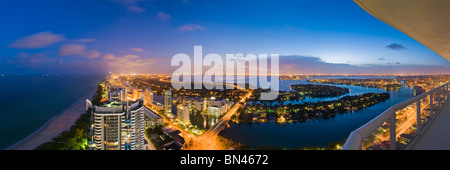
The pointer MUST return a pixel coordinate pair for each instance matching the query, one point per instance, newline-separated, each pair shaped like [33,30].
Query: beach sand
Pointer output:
[55,125]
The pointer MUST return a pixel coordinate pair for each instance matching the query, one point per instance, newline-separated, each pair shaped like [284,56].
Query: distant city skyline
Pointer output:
[141,36]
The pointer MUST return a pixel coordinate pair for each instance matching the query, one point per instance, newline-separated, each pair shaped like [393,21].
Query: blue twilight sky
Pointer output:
[141,36]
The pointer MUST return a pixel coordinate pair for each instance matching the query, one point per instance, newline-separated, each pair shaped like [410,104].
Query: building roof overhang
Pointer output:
[426,21]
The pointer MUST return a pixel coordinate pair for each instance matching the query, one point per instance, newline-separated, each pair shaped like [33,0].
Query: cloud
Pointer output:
[190,27]
[132,5]
[82,40]
[381,59]
[138,49]
[129,63]
[162,16]
[39,40]
[136,9]
[77,50]
[39,59]
[295,64]
[109,56]
[393,63]
[46,62]
[395,46]
[72,49]
[92,54]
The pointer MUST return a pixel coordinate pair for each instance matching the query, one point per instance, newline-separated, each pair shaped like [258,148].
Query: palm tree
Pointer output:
[78,141]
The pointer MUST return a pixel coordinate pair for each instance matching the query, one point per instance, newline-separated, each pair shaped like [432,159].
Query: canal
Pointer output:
[319,132]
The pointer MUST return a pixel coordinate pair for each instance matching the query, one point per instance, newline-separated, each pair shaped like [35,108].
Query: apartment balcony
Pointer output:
[422,122]
[436,136]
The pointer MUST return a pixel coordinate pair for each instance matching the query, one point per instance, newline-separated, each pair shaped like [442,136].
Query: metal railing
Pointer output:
[396,127]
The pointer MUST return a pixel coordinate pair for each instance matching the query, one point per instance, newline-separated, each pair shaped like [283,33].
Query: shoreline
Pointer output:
[55,125]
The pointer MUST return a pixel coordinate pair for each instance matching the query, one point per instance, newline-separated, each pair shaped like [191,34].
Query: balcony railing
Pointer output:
[395,128]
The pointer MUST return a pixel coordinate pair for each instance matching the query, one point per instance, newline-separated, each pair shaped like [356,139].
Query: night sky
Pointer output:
[141,36]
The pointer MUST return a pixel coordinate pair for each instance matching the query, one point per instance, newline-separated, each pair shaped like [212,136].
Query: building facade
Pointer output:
[217,107]
[118,94]
[148,96]
[168,102]
[183,113]
[117,125]
[151,119]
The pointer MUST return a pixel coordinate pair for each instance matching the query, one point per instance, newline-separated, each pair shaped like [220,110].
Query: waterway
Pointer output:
[318,132]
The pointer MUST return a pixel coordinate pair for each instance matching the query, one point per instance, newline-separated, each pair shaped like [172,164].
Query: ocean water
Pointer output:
[28,101]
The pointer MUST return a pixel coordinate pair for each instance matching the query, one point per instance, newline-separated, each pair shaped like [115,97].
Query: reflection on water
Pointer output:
[285,85]
[318,132]
[202,121]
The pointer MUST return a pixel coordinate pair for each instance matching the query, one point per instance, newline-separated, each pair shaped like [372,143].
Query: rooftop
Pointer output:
[151,114]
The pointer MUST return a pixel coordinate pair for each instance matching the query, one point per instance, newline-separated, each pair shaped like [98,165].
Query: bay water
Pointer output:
[318,132]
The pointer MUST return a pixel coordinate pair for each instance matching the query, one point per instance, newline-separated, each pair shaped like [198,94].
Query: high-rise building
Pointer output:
[217,106]
[151,119]
[183,113]
[148,96]
[117,125]
[136,93]
[168,102]
[216,110]
[204,105]
[198,104]
[119,94]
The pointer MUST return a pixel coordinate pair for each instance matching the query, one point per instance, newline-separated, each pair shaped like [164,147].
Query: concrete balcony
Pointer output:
[422,122]
[437,135]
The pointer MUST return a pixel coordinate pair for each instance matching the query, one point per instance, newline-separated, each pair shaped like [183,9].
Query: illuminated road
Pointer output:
[187,136]
[404,126]
[208,141]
